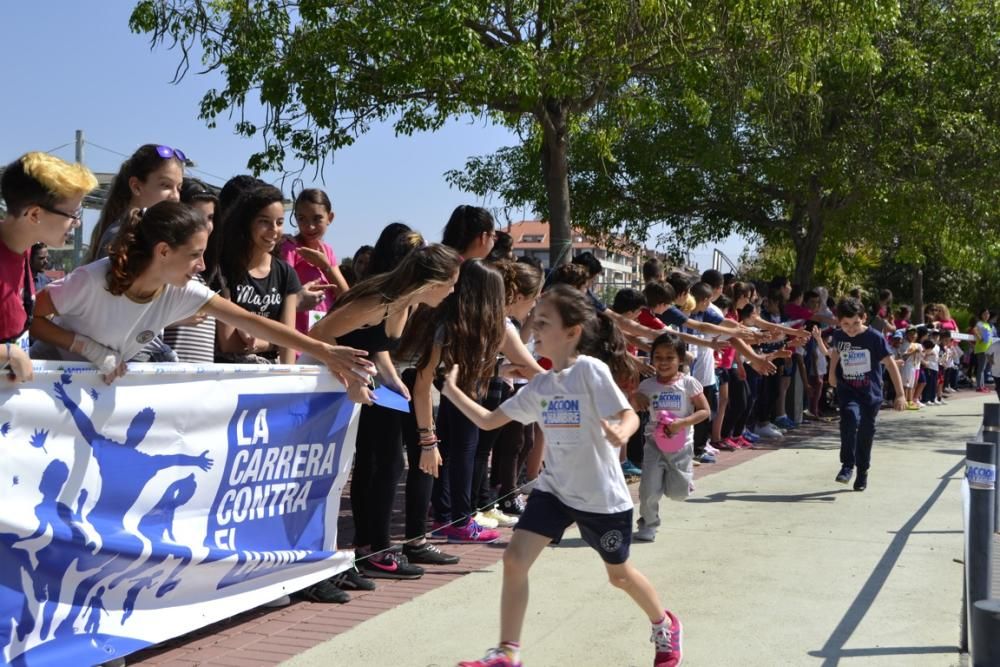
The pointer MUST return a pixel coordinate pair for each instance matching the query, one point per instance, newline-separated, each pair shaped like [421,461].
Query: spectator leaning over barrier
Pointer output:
[106,311]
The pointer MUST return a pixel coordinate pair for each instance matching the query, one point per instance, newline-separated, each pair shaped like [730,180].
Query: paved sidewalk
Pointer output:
[770,563]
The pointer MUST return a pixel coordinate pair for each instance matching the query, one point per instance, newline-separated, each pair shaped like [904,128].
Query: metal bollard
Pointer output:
[986,633]
[981,475]
[991,433]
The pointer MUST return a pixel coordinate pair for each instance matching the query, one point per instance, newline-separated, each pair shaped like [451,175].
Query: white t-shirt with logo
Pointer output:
[86,306]
[581,466]
[931,358]
[674,397]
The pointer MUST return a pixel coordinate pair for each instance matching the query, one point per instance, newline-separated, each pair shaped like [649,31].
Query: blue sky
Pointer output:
[78,66]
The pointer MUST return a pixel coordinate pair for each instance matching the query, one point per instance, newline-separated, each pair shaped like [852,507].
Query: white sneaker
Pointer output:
[711,450]
[485,521]
[644,534]
[768,431]
[501,519]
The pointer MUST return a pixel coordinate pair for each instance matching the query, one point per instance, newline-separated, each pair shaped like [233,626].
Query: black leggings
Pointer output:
[378,464]
[738,408]
[767,396]
[418,483]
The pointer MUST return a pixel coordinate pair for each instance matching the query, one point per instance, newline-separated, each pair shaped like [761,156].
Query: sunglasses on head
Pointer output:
[167,152]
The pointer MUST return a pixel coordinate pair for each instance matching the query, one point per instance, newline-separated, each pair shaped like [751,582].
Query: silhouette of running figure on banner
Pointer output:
[124,472]
[96,607]
[68,542]
[158,527]
[133,593]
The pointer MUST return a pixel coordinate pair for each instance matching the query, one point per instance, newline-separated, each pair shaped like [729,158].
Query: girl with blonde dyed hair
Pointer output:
[43,196]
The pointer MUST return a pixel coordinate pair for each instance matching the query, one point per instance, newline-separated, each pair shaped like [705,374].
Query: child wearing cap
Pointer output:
[43,196]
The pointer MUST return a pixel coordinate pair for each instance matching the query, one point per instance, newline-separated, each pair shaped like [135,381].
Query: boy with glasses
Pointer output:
[43,195]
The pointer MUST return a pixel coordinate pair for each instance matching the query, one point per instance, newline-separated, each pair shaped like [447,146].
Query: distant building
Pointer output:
[622,268]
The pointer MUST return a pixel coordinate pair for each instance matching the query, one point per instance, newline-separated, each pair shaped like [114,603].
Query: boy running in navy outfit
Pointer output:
[855,373]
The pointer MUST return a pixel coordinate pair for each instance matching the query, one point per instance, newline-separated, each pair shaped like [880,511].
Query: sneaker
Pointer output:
[861,481]
[669,643]
[630,469]
[844,476]
[428,554]
[696,462]
[495,657]
[351,580]
[712,450]
[912,406]
[472,533]
[784,422]
[724,445]
[769,431]
[485,521]
[750,436]
[644,534]
[502,519]
[438,529]
[777,428]
[388,565]
[325,592]
[742,442]
[513,506]
[706,458]
[809,416]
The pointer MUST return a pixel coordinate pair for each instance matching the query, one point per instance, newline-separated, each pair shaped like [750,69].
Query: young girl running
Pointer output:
[586,418]
[106,311]
[676,402]
[312,258]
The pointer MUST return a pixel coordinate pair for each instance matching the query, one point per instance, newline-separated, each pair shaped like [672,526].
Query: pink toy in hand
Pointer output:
[665,441]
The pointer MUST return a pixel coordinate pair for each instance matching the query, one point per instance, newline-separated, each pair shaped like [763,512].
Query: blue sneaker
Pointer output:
[707,458]
[751,436]
[630,469]
[784,422]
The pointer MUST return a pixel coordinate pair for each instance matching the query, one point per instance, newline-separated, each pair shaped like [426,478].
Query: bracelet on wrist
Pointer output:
[429,447]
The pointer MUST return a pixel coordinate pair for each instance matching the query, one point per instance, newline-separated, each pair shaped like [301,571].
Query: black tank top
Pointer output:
[371,339]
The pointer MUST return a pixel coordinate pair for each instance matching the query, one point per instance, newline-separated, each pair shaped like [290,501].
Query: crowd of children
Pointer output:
[569,395]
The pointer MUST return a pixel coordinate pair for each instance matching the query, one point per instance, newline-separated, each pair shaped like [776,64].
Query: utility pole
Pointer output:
[78,232]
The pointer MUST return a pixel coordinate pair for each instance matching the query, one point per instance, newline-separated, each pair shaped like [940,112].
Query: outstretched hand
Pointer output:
[204,462]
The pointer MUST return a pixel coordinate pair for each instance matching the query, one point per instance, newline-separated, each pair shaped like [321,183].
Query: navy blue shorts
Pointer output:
[608,534]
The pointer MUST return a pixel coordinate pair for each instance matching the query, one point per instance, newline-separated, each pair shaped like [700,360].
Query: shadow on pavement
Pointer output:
[750,496]
[833,650]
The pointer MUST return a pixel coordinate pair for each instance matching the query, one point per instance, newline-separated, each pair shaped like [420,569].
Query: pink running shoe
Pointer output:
[668,642]
[470,533]
[495,657]
[734,443]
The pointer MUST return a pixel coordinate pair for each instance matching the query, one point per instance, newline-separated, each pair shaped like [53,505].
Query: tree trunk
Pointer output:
[807,236]
[555,171]
[917,316]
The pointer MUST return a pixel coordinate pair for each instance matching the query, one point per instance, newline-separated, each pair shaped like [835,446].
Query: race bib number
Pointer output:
[561,418]
[668,400]
[856,362]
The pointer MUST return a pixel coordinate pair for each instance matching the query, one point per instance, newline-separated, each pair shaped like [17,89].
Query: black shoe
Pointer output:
[512,506]
[388,565]
[325,592]
[351,580]
[428,554]
[861,481]
[844,476]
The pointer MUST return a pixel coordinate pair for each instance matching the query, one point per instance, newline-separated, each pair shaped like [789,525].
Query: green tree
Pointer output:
[882,127]
[325,69]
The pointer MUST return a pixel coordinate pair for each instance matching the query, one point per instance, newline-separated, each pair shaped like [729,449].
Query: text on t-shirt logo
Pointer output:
[668,400]
[561,412]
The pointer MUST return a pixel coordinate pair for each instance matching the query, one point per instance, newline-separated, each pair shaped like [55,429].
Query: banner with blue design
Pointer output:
[175,498]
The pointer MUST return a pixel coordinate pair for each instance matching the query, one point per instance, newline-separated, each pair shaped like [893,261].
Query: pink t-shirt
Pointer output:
[13,268]
[307,273]
[948,325]
[725,358]
[794,311]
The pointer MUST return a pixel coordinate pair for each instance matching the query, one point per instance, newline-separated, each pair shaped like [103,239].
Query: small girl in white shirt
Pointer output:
[676,402]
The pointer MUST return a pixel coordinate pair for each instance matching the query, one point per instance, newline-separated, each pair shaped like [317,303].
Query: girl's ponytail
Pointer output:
[115,205]
[121,275]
